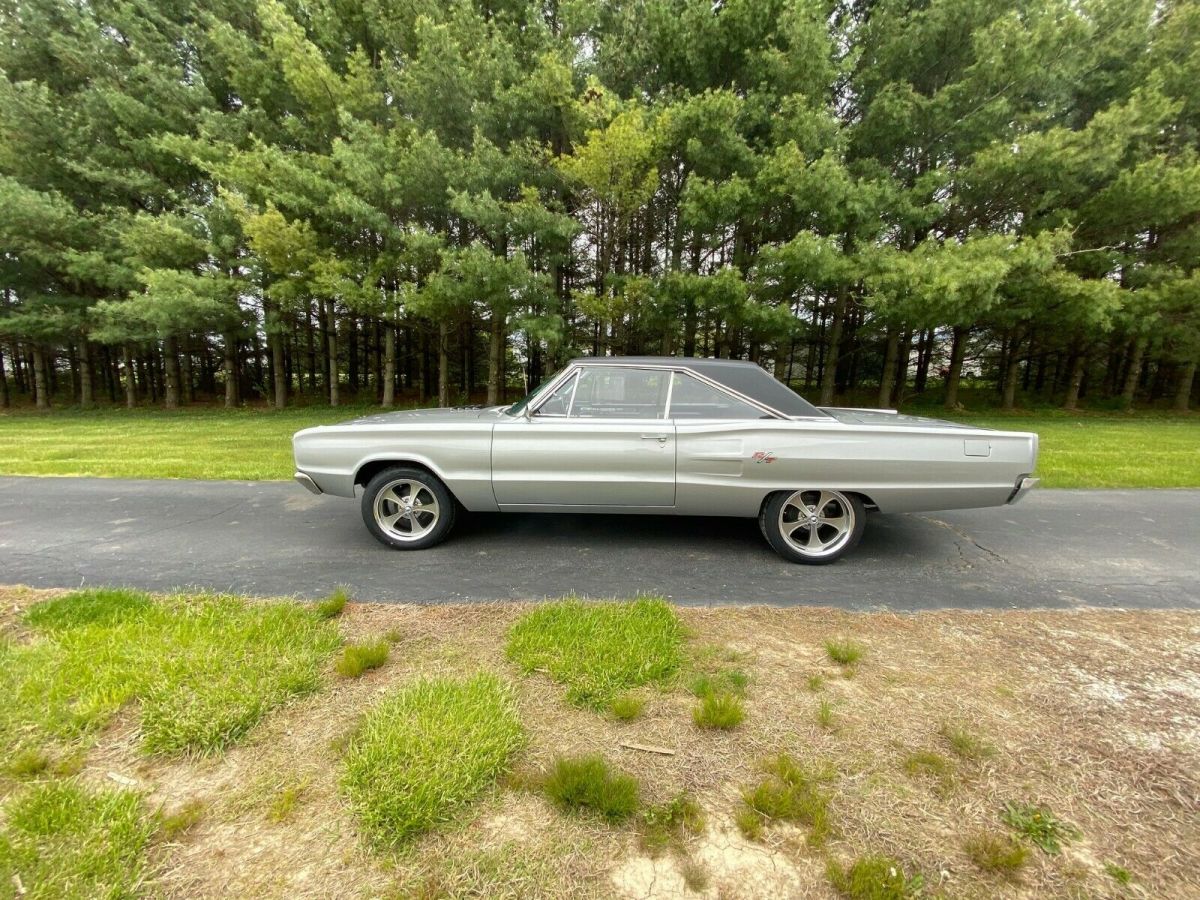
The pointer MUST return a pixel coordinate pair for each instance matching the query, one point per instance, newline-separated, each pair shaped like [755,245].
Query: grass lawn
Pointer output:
[1099,450]
[993,754]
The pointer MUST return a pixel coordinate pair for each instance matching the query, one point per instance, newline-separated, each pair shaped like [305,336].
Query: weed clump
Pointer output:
[998,854]
[873,878]
[719,711]
[333,605]
[844,652]
[589,784]
[1040,826]
[788,793]
[358,658]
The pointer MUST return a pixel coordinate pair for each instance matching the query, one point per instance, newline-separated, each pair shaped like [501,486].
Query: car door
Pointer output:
[600,439]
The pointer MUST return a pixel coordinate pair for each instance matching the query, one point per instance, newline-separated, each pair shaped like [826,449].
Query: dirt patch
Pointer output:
[1095,714]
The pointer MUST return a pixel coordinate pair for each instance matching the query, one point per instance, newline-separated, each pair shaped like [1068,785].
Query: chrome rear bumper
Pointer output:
[307,482]
[1024,486]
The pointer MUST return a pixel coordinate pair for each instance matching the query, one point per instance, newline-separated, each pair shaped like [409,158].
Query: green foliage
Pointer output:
[589,784]
[873,878]
[174,824]
[599,650]
[201,670]
[844,652]
[62,840]
[966,743]
[625,707]
[669,824]
[1040,826]
[426,752]
[998,854]
[789,792]
[1118,873]
[333,605]
[926,762]
[719,711]
[358,658]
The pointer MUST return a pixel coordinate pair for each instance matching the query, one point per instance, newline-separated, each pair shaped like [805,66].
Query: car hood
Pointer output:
[447,416]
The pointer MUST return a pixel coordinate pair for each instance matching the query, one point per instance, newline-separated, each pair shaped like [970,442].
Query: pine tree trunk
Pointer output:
[278,366]
[5,400]
[185,373]
[40,381]
[1183,392]
[332,352]
[829,371]
[958,351]
[389,364]
[87,396]
[1075,382]
[495,359]
[229,365]
[887,378]
[1012,363]
[171,373]
[1133,373]
[443,366]
[130,377]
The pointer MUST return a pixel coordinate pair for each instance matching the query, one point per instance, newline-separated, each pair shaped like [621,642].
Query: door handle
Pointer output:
[661,438]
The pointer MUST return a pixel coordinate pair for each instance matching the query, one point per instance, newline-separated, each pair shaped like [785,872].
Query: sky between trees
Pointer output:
[420,199]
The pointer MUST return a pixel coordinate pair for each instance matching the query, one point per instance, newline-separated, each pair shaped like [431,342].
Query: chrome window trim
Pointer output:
[578,367]
[675,367]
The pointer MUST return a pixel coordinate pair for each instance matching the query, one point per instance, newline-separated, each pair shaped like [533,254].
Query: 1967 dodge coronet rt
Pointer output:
[697,437]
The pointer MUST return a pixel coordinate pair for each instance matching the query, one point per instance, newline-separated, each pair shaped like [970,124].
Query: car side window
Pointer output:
[559,402]
[620,393]
[693,399]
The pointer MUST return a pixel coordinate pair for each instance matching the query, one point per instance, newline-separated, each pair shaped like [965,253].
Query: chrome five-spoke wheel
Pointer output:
[408,509]
[813,525]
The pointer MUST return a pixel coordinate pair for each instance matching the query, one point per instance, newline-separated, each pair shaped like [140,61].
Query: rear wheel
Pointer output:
[813,526]
[407,508]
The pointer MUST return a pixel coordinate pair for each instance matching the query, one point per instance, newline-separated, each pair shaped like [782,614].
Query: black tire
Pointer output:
[389,519]
[842,538]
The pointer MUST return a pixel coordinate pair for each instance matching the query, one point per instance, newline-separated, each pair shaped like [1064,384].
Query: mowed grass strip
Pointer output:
[425,753]
[202,670]
[600,649]
[1085,450]
[60,840]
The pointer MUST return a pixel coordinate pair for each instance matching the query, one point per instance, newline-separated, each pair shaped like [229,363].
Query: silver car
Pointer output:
[663,435]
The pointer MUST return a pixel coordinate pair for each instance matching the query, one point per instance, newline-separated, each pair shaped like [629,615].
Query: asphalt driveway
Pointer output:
[1054,549]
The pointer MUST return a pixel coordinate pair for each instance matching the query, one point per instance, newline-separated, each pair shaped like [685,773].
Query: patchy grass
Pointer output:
[178,822]
[359,658]
[599,650]
[695,876]
[29,763]
[996,854]
[285,800]
[426,752]
[667,825]
[1040,826]
[926,762]
[202,671]
[626,707]
[61,840]
[789,793]
[844,652]
[816,683]
[873,878]
[1117,689]
[966,743]
[589,784]
[825,715]
[719,711]
[1118,873]
[729,681]
[333,605]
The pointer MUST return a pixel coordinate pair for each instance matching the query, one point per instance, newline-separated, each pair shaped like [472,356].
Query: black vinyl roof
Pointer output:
[747,378]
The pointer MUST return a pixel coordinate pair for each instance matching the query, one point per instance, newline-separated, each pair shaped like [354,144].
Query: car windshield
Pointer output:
[519,407]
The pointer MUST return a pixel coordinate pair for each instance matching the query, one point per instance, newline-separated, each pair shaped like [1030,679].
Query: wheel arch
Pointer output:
[372,467]
[869,504]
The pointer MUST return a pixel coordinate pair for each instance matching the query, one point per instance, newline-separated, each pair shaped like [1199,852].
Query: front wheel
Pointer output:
[407,508]
[813,526]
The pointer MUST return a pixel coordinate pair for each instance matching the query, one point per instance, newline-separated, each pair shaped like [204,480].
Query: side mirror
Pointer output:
[527,413]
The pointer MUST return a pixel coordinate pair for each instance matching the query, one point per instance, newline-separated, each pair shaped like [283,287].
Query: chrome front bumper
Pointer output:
[1024,486]
[307,482]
